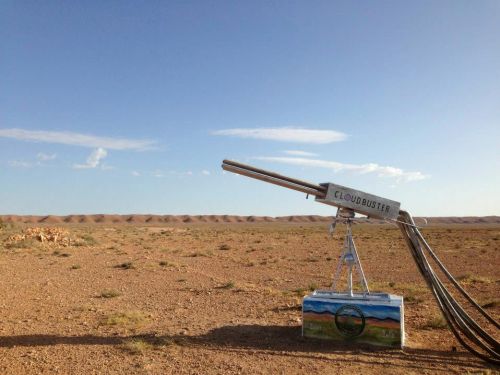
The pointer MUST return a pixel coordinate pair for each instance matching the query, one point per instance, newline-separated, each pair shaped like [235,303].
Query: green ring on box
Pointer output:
[345,321]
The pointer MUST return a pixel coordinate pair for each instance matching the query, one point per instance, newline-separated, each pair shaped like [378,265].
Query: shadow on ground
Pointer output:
[271,340]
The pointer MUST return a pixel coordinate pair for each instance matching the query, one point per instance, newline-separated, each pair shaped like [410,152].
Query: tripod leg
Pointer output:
[362,277]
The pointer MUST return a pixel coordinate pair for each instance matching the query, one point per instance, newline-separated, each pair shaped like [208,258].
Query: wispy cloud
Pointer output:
[135,173]
[93,160]
[298,135]
[77,139]
[20,164]
[45,157]
[205,172]
[160,174]
[40,158]
[300,153]
[381,171]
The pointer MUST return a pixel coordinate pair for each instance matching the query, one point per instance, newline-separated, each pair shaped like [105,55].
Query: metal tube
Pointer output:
[274,180]
[274,175]
[362,277]
[349,281]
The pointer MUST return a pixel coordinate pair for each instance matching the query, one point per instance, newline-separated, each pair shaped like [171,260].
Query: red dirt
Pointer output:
[156,295]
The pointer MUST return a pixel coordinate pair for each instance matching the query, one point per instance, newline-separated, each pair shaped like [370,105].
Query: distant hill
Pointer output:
[159,219]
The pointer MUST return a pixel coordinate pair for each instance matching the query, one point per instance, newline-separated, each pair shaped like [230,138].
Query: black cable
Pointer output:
[454,282]
[457,318]
[446,302]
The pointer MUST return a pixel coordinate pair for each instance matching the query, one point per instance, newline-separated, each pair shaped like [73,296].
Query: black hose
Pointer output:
[467,331]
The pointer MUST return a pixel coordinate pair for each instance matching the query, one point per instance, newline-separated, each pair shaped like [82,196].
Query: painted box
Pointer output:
[375,318]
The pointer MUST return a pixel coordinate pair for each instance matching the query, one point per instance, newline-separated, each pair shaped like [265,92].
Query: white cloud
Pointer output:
[180,174]
[205,172]
[20,164]
[298,135]
[158,174]
[381,171]
[135,173]
[41,157]
[300,153]
[106,167]
[45,157]
[77,139]
[94,159]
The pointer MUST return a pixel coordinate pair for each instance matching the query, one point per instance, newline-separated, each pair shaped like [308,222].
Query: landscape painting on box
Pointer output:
[357,322]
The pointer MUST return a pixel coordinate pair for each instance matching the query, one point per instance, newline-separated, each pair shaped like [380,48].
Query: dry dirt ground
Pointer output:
[220,298]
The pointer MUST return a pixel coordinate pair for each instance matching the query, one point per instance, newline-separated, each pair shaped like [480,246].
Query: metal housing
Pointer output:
[360,202]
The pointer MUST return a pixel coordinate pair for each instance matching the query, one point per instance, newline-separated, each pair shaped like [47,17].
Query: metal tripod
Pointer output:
[349,256]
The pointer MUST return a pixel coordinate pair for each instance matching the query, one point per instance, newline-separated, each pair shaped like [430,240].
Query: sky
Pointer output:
[127,107]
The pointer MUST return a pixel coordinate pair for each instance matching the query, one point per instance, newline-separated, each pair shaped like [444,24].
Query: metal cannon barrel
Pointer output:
[274,178]
[468,332]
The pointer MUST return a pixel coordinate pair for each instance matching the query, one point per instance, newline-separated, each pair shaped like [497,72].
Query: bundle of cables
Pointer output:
[465,329]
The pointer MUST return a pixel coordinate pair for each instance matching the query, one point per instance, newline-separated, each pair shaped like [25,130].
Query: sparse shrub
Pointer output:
[164,263]
[7,226]
[109,293]
[312,287]
[125,266]
[300,292]
[197,254]
[128,318]
[411,296]
[436,322]
[468,278]
[224,247]
[88,240]
[228,285]
[75,267]
[23,244]
[136,346]
[490,304]
[160,342]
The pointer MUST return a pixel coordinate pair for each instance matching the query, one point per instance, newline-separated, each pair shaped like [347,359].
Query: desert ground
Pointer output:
[109,294]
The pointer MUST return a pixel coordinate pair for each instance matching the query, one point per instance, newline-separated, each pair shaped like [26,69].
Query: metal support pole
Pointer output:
[350,258]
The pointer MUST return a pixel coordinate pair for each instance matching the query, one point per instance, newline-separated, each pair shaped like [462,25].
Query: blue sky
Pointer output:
[128,107]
